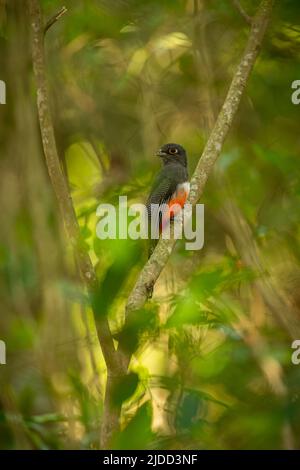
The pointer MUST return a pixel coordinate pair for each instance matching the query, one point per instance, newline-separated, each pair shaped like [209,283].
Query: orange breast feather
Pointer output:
[175,204]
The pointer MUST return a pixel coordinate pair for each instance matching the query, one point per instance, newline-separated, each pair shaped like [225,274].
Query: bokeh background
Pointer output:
[212,367]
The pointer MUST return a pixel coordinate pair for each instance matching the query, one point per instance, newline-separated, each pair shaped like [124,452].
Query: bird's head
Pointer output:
[171,153]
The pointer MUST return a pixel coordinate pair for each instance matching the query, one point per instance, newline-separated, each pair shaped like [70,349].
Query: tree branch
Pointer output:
[242,12]
[54,18]
[59,182]
[212,150]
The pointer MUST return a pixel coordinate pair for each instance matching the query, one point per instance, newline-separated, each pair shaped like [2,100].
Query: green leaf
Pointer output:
[125,388]
[137,434]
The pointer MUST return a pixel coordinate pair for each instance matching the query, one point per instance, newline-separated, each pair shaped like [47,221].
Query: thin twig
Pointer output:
[55,18]
[242,12]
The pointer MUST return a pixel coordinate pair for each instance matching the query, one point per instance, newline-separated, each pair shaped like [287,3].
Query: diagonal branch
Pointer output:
[152,269]
[58,179]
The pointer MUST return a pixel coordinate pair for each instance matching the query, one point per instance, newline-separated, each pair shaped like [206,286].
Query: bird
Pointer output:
[170,189]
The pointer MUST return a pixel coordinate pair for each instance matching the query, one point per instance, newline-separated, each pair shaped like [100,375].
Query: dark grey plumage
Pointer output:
[173,173]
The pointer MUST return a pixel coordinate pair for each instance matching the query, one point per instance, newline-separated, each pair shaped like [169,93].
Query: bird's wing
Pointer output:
[161,193]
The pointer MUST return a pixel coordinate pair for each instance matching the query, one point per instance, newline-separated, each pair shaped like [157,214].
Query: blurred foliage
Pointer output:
[125,77]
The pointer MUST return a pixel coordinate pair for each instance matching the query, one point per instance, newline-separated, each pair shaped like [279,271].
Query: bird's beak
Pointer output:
[160,153]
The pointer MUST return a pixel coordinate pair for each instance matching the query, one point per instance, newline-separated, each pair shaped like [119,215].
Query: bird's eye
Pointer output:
[173,150]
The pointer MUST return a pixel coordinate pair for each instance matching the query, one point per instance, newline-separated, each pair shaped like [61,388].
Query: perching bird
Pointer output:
[170,187]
